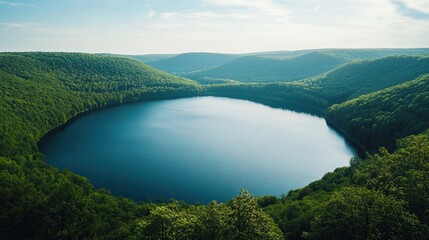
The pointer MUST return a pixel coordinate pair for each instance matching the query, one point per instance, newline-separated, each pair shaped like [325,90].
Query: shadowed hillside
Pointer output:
[189,62]
[261,69]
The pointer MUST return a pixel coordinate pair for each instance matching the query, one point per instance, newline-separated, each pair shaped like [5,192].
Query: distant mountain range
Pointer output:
[278,66]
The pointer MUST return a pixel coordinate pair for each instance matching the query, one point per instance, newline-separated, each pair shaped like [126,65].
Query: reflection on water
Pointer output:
[197,149]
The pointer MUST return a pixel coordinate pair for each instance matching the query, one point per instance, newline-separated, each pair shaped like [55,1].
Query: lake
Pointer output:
[197,149]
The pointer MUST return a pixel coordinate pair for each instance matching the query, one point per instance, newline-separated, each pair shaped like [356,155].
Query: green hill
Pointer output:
[189,62]
[141,58]
[345,83]
[382,197]
[286,66]
[380,118]
[341,84]
[358,78]
[346,54]
[374,53]
[42,90]
[263,69]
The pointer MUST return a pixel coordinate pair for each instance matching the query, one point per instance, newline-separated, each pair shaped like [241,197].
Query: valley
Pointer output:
[378,98]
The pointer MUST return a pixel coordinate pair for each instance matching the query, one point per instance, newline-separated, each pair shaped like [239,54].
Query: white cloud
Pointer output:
[15,4]
[203,15]
[233,26]
[168,15]
[422,5]
[260,7]
[151,14]
[316,9]
[16,25]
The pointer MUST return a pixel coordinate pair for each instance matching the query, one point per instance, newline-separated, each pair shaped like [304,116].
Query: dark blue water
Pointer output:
[197,149]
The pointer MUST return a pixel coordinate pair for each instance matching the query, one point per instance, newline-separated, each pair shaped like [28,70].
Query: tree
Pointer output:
[359,213]
[249,221]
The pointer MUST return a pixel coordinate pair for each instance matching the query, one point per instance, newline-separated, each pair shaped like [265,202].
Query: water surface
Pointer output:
[197,149]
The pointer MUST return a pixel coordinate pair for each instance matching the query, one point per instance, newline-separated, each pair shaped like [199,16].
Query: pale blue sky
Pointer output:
[235,26]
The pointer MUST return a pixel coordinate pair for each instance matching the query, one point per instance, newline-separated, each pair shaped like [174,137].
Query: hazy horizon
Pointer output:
[220,26]
[238,53]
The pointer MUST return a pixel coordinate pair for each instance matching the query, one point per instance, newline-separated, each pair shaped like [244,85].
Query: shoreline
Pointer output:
[58,128]
[361,151]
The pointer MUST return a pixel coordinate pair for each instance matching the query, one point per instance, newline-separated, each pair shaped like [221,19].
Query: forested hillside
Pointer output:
[144,58]
[379,118]
[189,62]
[358,78]
[347,54]
[368,54]
[382,197]
[385,196]
[278,66]
[292,95]
[40,91]
[263,69]
[344,83]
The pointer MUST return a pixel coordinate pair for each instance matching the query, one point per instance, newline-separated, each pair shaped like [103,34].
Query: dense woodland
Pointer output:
[377,119]
[374,102]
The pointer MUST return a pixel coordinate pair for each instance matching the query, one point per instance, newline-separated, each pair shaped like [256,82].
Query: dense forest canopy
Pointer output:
[42,90]
[358,78]
[378,102]
[379,118]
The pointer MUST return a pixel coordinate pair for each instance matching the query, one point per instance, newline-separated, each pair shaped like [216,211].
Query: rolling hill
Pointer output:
[43,90]
[341,84]
[189,62]
[277,66]
[263,69]
[380,118]
[358,78]
[347,54]
[379,101]
[144,58]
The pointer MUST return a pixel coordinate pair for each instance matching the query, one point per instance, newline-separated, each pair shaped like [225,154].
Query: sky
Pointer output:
[227,26]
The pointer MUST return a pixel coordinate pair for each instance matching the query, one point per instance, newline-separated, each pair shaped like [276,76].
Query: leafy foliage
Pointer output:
[359,213]
[359,78]
[382,197]
[241,218]
[40,91]
[380,118]
[43,90]
[385,196]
